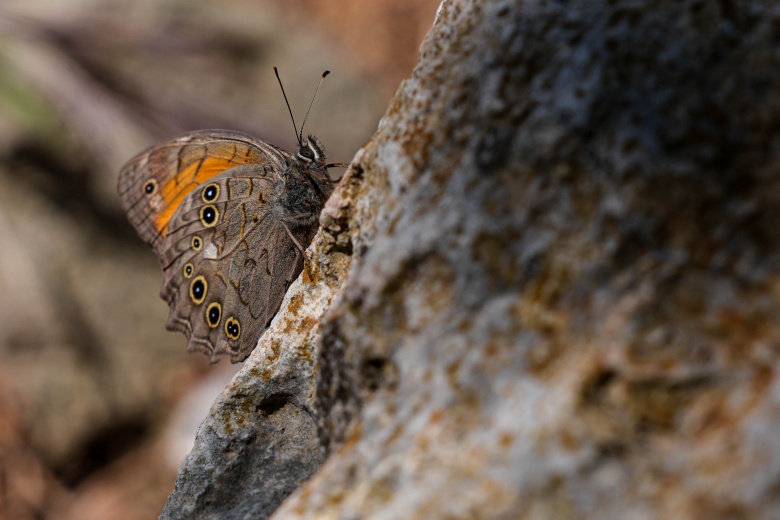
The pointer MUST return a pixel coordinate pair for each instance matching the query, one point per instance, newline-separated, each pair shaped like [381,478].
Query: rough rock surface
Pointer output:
[550,284]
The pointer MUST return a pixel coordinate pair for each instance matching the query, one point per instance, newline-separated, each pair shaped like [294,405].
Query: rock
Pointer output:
[548,287]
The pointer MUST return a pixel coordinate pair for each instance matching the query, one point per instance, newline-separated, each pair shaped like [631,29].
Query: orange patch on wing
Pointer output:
[196,173]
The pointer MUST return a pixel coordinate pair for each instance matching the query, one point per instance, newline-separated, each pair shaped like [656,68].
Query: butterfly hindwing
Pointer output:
[261,268]
[228,260]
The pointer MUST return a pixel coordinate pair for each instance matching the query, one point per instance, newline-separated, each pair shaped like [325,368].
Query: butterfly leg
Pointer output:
[306,261]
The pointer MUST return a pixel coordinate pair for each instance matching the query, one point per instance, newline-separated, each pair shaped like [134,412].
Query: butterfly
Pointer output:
[229,217]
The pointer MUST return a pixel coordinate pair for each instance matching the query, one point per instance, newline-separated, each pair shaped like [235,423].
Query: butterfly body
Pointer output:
[229,217]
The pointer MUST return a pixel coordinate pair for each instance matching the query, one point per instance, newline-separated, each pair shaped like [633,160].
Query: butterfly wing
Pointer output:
[154,183]
[244,259]
[228,216]
[228,259]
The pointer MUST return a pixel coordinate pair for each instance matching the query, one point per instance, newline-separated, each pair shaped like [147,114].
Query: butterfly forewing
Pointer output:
[154,183]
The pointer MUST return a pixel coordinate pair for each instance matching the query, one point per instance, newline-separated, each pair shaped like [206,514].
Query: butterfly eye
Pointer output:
[213,314]
[209,215]
[188,270]
[198,290]
[232,328]
[306,153]
[150,187]
[210,193]
[197,243]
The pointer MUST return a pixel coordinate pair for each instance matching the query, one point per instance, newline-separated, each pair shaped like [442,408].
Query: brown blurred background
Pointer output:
[98,403]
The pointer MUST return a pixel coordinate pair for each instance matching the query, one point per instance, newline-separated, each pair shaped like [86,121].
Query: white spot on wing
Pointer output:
[210,252]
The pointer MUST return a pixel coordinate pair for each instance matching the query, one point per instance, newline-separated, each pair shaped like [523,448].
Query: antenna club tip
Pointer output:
[325,73]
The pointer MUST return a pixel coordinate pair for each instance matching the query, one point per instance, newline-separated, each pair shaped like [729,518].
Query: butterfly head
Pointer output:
[311,155]
[311,152]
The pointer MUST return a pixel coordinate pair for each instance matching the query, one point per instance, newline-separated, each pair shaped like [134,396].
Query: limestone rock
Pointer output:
[549,287]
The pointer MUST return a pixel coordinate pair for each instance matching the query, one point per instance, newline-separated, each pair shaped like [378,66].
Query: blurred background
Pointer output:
[98,402]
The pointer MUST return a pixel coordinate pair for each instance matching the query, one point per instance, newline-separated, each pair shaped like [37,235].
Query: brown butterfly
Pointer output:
[229,217]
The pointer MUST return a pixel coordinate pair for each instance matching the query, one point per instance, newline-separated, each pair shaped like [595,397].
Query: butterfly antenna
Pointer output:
[297,135]
[322,78]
